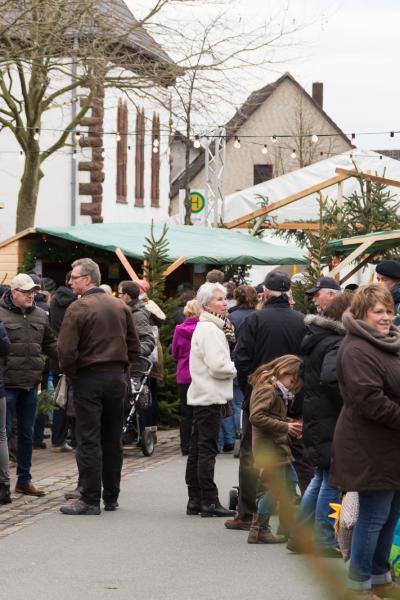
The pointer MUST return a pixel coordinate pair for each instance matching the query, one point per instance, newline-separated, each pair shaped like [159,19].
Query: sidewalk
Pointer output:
[56,473]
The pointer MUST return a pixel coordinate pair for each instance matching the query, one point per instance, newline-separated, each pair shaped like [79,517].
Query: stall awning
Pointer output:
[376,241]
[196,244]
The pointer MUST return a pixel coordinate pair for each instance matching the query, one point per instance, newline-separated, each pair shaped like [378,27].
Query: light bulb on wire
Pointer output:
[274,139]
[265,149]
[36,135]
[293,155]
[236,143]
[77,135]
[196,143]
[314,138]
[103,153]
[118,137]
[21,155]
[155,149]
[74,154]
[156,142]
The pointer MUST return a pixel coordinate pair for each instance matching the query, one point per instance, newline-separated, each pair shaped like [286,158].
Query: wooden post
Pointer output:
[126,264]
[352,256]
[175,265]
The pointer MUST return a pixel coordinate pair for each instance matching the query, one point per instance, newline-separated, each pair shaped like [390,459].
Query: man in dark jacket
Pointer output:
[61,299]
[388,274]
[129,292]
[31,338]
[97,343]
[268,333]
[5,347]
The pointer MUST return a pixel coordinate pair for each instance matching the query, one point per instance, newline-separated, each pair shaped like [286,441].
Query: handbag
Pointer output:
[61,392]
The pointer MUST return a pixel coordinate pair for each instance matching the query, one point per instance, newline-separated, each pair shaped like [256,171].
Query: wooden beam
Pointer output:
[382,237]
[359,266]
[175,265]
[384,180]
[305,226]
[351,257]
[18,236]
[126,264]
[288,200]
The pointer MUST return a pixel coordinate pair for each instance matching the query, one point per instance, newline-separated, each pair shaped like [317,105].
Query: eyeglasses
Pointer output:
[76,276]
[26,292]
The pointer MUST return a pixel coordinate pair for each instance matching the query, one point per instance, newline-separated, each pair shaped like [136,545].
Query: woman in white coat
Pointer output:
[212,373]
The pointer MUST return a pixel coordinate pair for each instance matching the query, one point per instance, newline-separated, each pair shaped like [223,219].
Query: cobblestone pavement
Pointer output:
[56,473]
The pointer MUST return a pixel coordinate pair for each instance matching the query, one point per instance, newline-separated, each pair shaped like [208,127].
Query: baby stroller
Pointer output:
[139,398]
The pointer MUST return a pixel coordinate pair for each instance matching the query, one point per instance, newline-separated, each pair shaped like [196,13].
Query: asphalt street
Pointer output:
[150,549]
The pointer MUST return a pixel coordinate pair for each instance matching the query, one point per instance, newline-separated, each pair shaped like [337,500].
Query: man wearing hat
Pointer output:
[324,291]
[31,338]
[388,274]
[266,334]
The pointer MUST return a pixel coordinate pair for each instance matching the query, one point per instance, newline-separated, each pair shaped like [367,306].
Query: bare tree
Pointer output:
[217,56]
[51,52]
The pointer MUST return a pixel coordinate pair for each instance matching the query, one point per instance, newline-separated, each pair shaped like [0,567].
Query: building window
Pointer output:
[155,162]
[262,173]
[122,151]
[139,159]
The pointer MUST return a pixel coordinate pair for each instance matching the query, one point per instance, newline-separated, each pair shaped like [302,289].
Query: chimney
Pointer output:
[318,93]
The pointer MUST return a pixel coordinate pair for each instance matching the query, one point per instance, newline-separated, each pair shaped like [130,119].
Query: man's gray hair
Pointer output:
[88,267]
[206,292]
[275,294]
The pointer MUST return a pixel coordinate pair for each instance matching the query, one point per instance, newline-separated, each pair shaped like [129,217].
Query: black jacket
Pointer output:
[5,347]
[322,400]
[62,298]
[268,333]
[31,338]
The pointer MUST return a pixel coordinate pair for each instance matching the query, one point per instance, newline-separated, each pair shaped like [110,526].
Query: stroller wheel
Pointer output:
[147,442]
[233,498]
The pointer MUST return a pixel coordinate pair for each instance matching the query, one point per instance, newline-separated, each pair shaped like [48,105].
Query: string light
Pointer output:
[155,149]
[196,143]
[74,155]
[314,138]
[392,134]
[103,153]
[21,155]
[156,142]
[265,149]
[118,137]
[78,135]
[353,137]
[236,143]
[274,139]
[293,155]
[36,135]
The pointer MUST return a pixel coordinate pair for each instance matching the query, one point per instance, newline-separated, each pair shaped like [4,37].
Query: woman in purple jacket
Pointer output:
[181,343]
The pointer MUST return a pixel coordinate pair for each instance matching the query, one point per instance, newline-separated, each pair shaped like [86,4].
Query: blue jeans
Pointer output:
[237,403]
[226,432]
[267,501]
[314,508]
[22,403]
[372,539]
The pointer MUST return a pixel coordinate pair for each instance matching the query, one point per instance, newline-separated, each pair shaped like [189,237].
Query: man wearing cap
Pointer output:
[266,334]
[31,338]
[324,291]
[388,274]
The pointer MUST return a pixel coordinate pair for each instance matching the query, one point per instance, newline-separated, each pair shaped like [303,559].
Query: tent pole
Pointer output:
[126,264]
[175,265]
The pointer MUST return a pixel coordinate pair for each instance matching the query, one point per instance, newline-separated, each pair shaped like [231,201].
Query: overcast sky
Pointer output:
[353,49]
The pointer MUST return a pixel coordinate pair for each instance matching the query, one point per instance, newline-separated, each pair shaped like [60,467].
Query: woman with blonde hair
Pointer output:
[366,443]
[274,385]
[181,343]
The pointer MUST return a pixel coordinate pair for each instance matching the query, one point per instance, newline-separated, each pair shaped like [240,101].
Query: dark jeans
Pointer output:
[60,427]
[22,403]
[99,400]
[186,417]
[248,475]
[203,450]
[372,539]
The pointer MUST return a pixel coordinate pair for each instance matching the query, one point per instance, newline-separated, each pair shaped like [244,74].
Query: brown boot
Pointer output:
[260,532]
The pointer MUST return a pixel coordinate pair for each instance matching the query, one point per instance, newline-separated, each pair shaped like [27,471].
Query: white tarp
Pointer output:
[248,200]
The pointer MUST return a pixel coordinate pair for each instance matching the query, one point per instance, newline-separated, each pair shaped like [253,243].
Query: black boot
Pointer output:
[216,510]
[193,506]
[5,496]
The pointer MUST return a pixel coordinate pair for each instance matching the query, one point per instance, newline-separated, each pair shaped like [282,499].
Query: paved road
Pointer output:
[151,550]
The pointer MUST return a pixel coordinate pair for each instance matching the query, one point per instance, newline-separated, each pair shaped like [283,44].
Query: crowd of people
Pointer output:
[320,403]
[313,400]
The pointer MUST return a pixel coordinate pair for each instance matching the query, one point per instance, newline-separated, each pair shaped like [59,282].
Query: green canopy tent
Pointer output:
[196,245]
[362,248]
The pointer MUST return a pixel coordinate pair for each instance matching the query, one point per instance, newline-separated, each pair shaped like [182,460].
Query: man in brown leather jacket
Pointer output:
[97,342]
